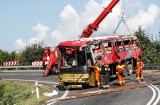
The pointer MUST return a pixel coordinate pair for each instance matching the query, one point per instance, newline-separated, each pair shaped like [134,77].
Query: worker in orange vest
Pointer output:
[120,68]
[139,70]
[97,69]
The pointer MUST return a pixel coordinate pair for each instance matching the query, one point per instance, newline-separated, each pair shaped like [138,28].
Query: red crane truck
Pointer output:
[46,54]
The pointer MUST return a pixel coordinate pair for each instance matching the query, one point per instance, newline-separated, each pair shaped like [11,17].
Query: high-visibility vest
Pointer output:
[120,67]
[107,69]
[97,73]
[140,64]
[99,68]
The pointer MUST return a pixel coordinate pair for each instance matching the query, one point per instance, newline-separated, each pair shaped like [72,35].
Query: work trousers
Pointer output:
[105,79]
[139,73]
[121,77]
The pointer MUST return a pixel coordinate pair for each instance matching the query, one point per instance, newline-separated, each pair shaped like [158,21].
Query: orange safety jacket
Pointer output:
[97,73]
[139,65]
[120,67]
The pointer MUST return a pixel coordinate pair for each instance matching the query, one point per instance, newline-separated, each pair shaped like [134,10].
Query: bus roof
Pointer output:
[83,41]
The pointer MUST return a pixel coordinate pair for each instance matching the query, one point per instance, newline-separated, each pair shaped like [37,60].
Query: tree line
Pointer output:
[29,54]
[150,47]
[150,51]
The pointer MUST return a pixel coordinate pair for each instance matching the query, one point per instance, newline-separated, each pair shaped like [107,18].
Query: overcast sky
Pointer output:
[23,22]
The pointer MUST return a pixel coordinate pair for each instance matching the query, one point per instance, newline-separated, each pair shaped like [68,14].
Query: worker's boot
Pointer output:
[98,85]
[138,79]
[123,82]
[142,79]
[120,83]
[105,87]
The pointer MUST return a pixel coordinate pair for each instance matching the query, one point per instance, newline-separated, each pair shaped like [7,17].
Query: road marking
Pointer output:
[154,95]
[33,81]
[19,74]
[158,96]
[154,90]
[63,96]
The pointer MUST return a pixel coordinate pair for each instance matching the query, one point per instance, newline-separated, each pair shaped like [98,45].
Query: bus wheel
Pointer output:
[129,69]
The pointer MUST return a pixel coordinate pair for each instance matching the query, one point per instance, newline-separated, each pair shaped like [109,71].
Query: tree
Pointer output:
[31,53]
[4,56]
[149,47]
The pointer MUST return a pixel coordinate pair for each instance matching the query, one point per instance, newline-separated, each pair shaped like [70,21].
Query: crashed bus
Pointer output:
[76,58]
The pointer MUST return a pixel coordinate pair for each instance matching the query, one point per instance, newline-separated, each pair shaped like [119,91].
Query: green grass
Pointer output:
[22,93]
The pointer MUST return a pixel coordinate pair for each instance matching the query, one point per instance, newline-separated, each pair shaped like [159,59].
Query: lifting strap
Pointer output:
[121,18]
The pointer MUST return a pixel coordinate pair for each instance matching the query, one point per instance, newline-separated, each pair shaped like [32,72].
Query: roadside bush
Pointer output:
[11,93]
[1,92]
[22,93]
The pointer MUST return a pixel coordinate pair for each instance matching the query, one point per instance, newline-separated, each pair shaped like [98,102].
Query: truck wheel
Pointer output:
[129,69]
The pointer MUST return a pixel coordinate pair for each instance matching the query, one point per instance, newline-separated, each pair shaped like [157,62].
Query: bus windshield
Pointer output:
[72,57]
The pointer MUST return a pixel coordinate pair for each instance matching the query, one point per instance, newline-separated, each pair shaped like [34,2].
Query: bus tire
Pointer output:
[129,69]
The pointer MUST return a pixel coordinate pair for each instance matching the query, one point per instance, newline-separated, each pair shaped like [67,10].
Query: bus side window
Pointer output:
[108,49]
[98,50]
[127,44]
[120,46]
[134,44]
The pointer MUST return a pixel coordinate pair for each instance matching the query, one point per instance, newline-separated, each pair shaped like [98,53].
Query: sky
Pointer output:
[24,22]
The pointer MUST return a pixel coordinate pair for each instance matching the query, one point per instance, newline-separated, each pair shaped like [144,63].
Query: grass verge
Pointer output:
[22,93]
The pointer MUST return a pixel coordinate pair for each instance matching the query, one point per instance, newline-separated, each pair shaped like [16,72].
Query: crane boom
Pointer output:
[94,26]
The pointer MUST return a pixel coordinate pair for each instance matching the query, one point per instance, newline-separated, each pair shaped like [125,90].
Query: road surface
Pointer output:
[148,95]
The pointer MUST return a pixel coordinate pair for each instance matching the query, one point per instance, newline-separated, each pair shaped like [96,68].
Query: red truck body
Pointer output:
[45,56]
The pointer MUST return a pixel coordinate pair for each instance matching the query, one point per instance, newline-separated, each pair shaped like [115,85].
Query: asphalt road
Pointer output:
[28,75]
[139,96]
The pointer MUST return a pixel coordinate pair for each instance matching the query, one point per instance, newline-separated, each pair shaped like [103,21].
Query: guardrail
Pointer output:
[20,67]
[146,67]
[155,66]
[152,65]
